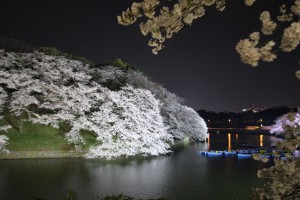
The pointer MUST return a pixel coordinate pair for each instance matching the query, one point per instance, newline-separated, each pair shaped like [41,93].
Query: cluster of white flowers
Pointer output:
[137,125]
[285,16]
[291,37]
[251,54]
[298,74]
[249,2]
[162,22]
[268,26]
[3,139]
[296,8]
[55,91]
[251,51]
[181,120]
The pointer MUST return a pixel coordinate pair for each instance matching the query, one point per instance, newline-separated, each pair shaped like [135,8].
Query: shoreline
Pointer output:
[40,154]
[14,155]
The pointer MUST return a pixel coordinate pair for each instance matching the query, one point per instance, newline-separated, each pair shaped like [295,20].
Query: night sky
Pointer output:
[200,64]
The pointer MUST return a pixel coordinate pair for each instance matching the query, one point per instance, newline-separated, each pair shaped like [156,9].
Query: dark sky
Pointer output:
[200,64]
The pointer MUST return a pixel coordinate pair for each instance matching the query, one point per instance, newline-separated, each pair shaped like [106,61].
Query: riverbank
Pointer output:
[29,154]
[41,154]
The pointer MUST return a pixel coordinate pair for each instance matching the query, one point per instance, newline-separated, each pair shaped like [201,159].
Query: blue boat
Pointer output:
[244,155]
[243,151]
[229,153]
[202,153]
[214,153]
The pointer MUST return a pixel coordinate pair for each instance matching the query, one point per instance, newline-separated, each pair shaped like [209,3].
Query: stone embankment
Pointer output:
[41,154]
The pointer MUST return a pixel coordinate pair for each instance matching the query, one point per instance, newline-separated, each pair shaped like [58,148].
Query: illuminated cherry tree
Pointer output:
[3,138]
[286,121]
[181,120]
[60,92]
[132,125]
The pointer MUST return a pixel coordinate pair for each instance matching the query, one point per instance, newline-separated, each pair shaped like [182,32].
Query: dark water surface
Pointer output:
[183,174]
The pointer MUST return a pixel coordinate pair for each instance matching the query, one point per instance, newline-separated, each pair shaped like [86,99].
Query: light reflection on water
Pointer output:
[223,141]
[261,140]
[229,141]
[183,174]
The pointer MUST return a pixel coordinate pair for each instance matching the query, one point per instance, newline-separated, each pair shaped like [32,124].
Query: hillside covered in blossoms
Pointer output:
[123,110]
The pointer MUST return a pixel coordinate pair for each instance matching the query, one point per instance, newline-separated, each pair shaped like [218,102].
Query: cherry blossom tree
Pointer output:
[3,138]
[133,125]
[181,120]
[162,20]
[283,178]
[59,92]
[286,121]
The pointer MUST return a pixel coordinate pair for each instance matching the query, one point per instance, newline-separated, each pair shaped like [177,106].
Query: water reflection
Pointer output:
[133,178]
[225,141]
[229,141]
[208,139]
[183,174]
[261,140]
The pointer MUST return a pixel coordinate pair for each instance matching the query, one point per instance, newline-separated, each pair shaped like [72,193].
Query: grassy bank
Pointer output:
[36,137]
[41,141]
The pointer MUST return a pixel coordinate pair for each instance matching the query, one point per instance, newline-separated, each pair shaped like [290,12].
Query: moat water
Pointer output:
[183,174]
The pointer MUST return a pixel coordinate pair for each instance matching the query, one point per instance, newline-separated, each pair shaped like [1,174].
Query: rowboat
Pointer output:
[214,153]
[244,155]
[243,151]
[229,153]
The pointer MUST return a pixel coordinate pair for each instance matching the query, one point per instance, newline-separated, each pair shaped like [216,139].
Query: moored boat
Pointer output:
[242,151]
[214,153]
[229,153]
[244,155]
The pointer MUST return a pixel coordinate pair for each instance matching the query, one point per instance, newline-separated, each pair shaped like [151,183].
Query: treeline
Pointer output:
[243,119]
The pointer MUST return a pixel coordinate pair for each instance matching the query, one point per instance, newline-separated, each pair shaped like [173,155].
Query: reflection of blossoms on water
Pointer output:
[287,120]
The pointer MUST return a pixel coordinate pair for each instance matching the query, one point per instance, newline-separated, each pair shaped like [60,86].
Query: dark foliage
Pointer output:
[118,63]
[55,52]
[242,119]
